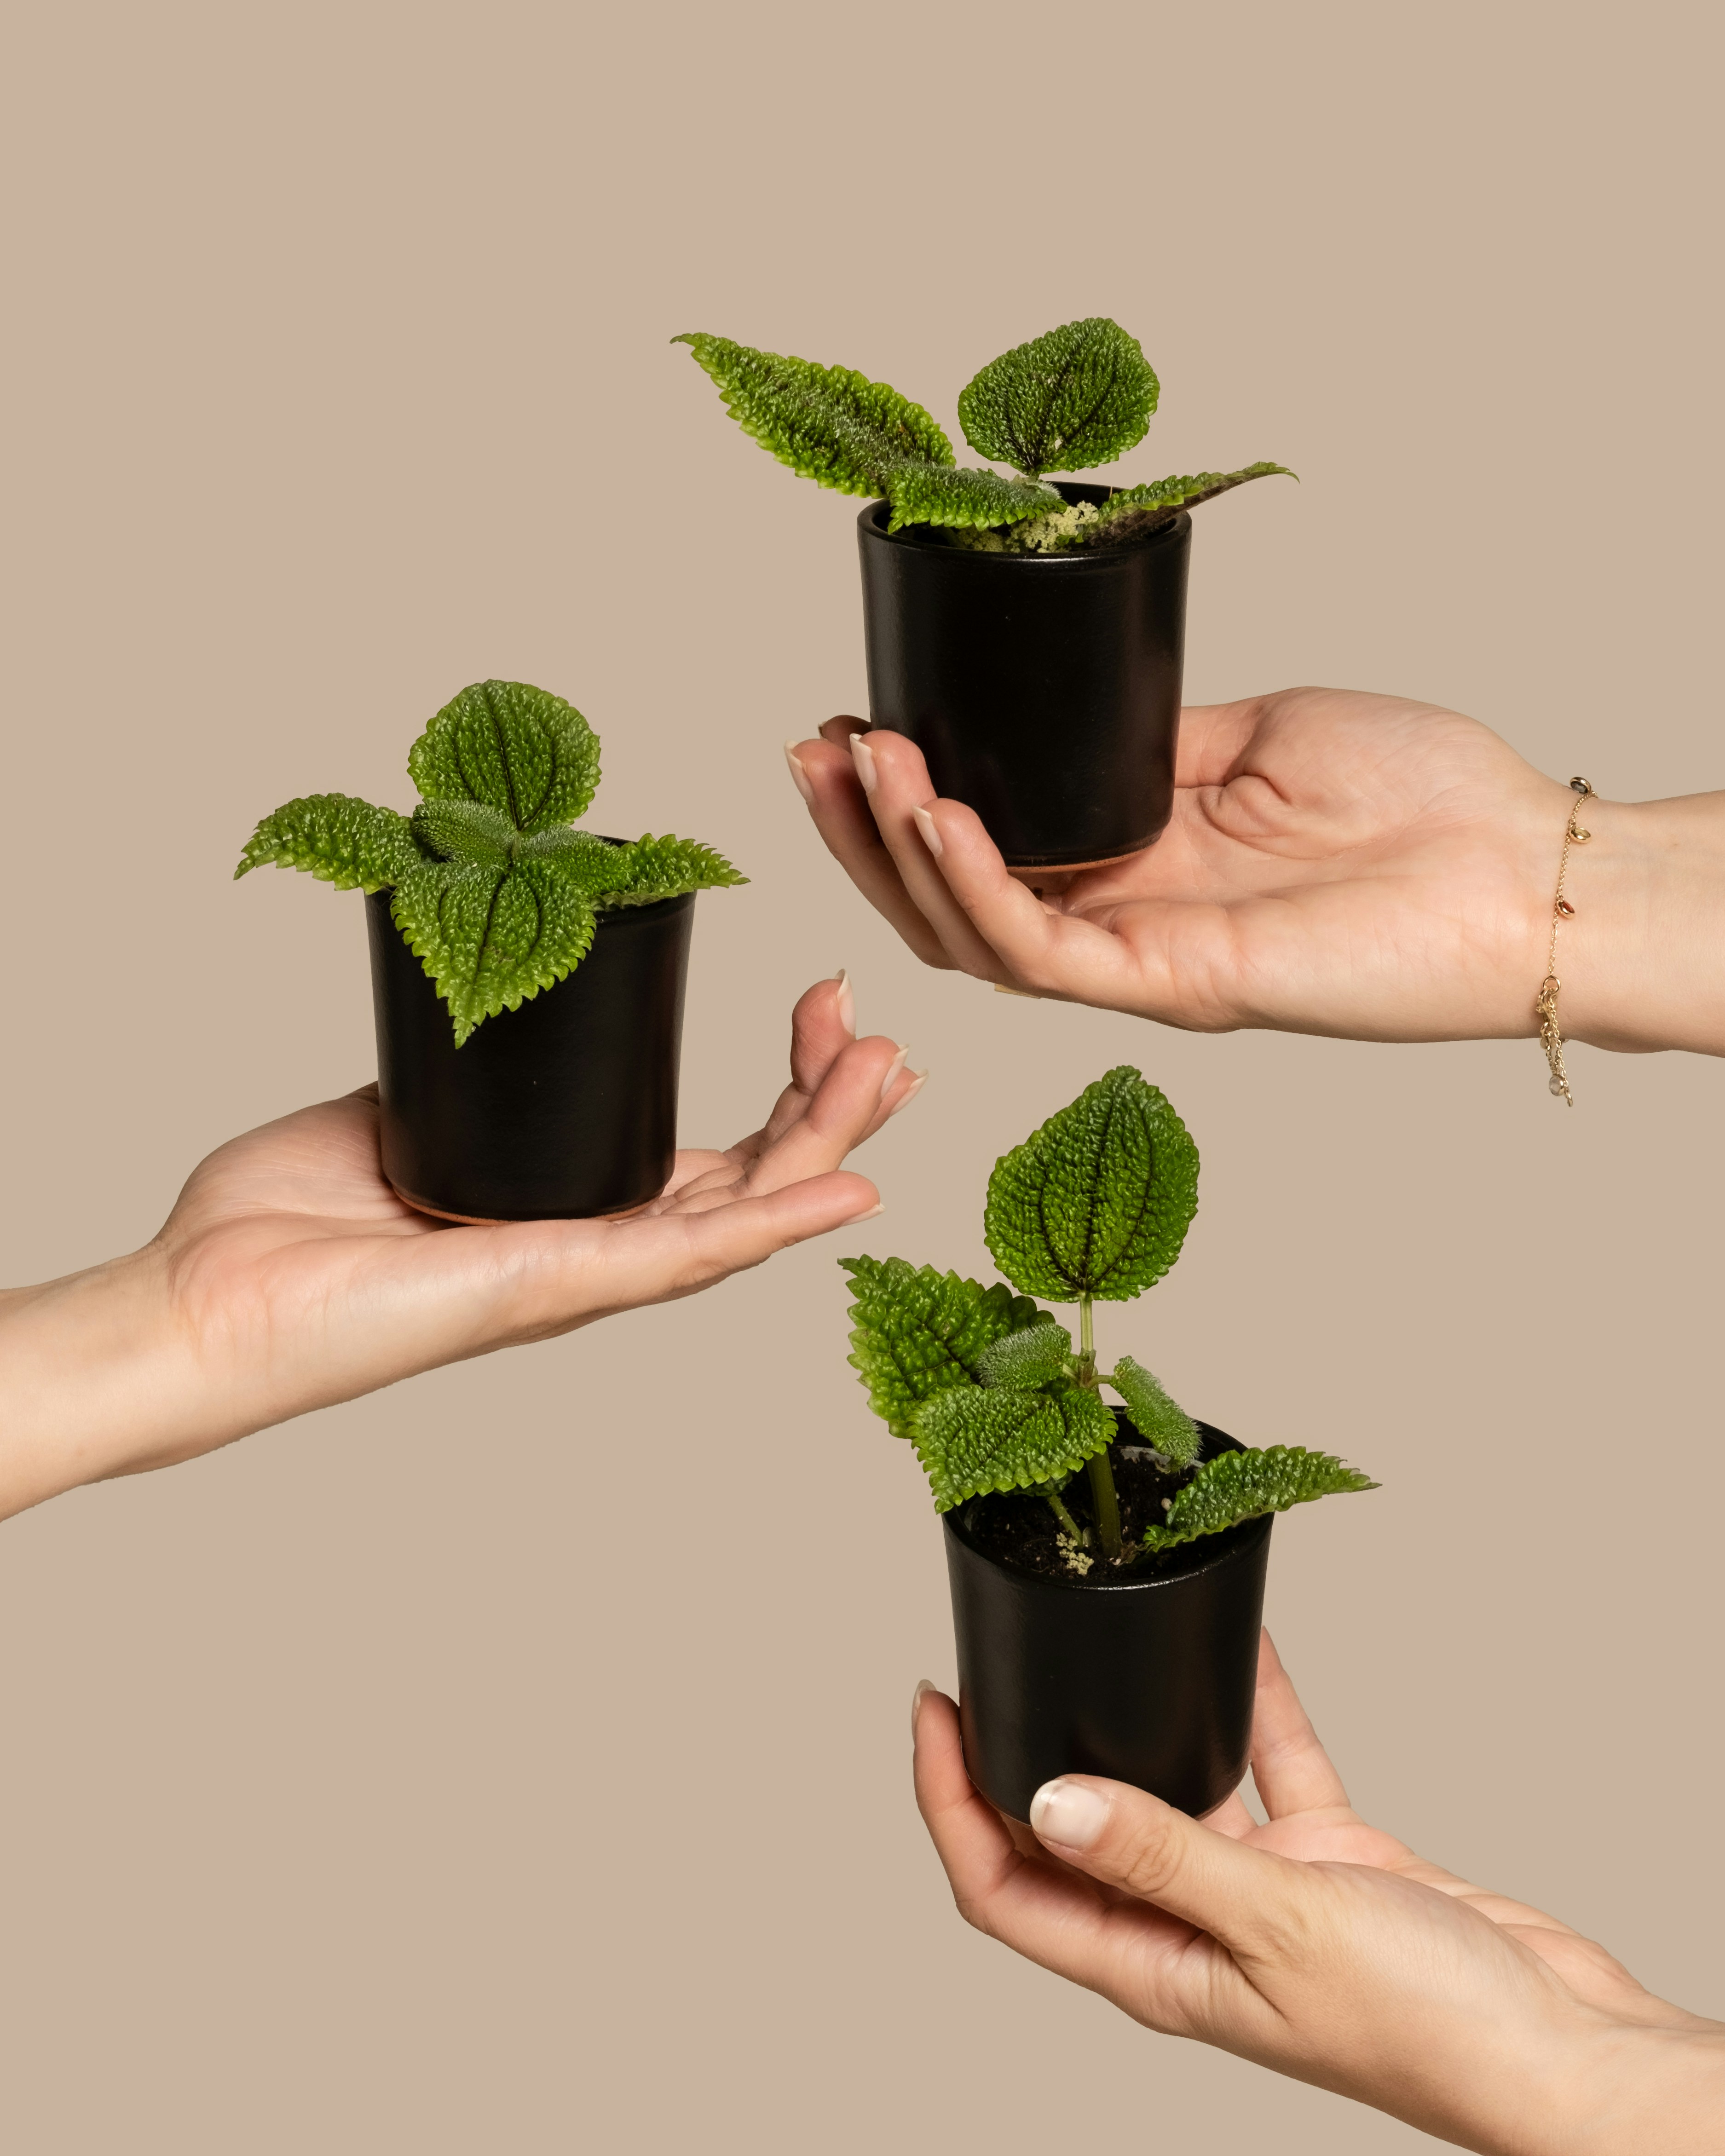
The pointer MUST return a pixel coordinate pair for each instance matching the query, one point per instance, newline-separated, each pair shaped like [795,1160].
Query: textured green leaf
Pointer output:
[1037,1356]
[518,749]
[1098,1201]
[1075,398]
[828,424]
[933,494]
[464,831]
[591,861]
[340,840]
[916,1332]
[1239,1486]
[1136,510]
[490,938]
[971,1439]
[1163,1425]
[652,869]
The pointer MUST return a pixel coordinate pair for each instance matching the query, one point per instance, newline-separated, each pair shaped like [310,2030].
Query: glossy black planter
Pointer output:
[562,1109]
[1043,690]
[1150,1682]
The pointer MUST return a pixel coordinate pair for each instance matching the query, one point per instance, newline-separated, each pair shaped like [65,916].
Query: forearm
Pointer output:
[1642,963]
[95,1381]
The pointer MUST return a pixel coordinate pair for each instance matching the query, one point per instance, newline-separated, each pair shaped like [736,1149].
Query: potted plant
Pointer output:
[527,977]
[1028,636]
[1106,1563]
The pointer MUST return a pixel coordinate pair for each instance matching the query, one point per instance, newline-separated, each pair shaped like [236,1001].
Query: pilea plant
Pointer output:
[494,890]
[989,1388]
[1079,397]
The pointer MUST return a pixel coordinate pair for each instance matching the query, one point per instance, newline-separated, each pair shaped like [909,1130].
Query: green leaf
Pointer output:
[972,1440]
[1165,1427]
[490,938]
[1240,1485]
[590,860]
[1035,1357]
[464,831]
[652,869]
[518,749]
[1098,1201]
[932,494]
[1136,510]
[340,840]
[1074,398]
[827,424]
[917,1332]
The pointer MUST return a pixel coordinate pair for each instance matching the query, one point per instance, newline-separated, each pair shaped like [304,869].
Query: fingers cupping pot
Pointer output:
[1043,690]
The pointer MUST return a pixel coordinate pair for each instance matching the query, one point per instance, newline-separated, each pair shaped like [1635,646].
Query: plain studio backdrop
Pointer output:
[517,1759]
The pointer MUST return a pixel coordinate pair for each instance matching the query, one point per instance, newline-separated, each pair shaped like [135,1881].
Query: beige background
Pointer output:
[365,1788]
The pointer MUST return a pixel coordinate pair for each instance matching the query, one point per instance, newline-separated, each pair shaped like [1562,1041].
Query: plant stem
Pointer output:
[1070,1526]
[1104,1502]
[1105,1505]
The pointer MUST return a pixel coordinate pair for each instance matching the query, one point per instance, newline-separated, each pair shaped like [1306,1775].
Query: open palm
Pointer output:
[290,1275]
[1336,863]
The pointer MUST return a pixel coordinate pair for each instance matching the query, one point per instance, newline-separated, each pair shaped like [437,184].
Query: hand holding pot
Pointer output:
[1321,1947]
[1336,863]
[289,1276]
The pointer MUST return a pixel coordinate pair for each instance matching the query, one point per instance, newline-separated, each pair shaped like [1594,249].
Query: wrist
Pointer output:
[1640,962]
[1637,2087]
[92,1380]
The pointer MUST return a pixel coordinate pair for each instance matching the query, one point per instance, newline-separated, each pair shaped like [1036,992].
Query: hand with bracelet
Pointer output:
[290,1275]
[1318,1946]
[1338,863]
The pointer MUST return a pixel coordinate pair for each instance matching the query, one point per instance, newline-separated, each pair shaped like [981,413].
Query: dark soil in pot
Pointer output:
[1043,690]
[1145,1674]
[564,1109]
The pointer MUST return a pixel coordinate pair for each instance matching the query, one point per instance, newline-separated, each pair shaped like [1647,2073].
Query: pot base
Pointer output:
[1051,882]
[480,1220]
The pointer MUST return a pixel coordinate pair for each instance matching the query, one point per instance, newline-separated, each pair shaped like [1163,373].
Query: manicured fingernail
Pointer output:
[910,1092]
[924,1686]
[1068,1813]
[931,837]
[1002,990]
[872,1212]
[799,778]
[893,1069]
[865,760]
[847,1003]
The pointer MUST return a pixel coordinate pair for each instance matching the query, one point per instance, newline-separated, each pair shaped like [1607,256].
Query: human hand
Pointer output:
[290,1275]
[1336,863]
[1323,1948]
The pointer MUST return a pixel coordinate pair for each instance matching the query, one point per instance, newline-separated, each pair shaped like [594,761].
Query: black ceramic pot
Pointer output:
[1043,690]
[1149,1682]
[564,1109]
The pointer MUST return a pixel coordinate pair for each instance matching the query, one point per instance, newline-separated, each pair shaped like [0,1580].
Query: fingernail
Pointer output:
[910,1093]
[924,824]
[857,1217]
[1067,1812]
[924,1686]
[847,1003]
[799,778]
[865,759]
[893,1069]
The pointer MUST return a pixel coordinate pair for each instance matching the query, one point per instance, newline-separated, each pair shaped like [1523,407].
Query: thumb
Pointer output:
[1250,1901]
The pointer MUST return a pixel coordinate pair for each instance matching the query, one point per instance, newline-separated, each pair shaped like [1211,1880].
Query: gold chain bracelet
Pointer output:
[1545,1005]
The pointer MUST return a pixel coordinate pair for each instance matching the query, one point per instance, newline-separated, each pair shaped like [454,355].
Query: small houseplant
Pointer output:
[1028,634]
[1106,1563]
[527,977]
